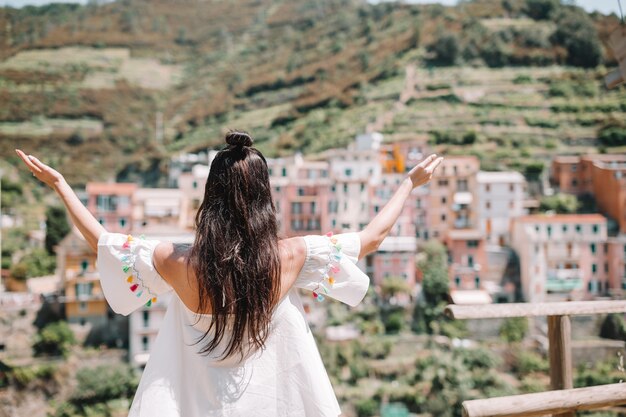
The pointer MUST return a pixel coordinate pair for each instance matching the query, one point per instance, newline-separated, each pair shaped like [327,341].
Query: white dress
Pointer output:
[286,379]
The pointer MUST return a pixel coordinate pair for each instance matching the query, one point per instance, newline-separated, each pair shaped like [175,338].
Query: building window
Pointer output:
[443,200]
[443,217]
[594,268]
[284,172]
[549,229]
[348,172]
[461,185]
[488,205]
[511,188]
[472,243]
[82,306]
[332,188]
[122,222]
[345,188]
[144,343]
[442,183]
[146,318]
[101,221]
[537,228]
[300,191]
[564,228]
[578,228]
[84,264]
[593,248]
[376,208]
[313,207]
[487,188]
[296,208]
[595,228]
[470,260]
[477,282]
[83,289]
[362,186]
[333,222]
[106,203]
[194,184]
[457,281]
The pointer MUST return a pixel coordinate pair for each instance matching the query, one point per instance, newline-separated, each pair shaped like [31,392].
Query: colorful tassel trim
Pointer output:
[325,285]
[137,285]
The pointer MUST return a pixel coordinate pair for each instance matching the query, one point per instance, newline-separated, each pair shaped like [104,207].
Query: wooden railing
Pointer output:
[564,401]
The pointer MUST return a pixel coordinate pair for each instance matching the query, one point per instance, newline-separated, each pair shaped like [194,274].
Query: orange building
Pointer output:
[603,176]
[76,262]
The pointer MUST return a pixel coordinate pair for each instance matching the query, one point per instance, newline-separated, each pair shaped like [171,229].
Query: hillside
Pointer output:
[116,88]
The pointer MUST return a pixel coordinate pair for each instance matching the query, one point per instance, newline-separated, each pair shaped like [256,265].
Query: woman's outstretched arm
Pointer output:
[90,228]
[376,231]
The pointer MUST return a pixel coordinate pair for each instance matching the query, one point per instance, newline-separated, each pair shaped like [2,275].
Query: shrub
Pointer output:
[104,383]
[541,9]
[529,362]
[514,329]
[54,340]
[366,407]
[522,79]
[559,203]
[613,327]
[533,170]
[612,134]
[445,49]
[394,323]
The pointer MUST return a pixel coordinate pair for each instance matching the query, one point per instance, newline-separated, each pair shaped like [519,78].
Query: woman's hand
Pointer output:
[41,171]
[423,172]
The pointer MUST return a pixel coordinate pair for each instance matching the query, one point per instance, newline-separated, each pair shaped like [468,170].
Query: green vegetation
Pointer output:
[559,203]
[99,391]
[36,263]
[55,339]
[57,226]
[514,329]
[613,327]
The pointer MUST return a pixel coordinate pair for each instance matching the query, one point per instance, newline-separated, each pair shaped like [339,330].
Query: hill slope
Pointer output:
[118,87]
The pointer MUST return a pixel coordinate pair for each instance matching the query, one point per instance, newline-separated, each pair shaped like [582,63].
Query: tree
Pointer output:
[445,49]
[57,227]
[612,134]
[54,340]
[613,327]
[541,9]
[429,308]
[559,203]
[577,34]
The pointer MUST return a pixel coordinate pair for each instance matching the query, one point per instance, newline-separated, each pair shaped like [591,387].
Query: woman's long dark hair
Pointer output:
[235,255]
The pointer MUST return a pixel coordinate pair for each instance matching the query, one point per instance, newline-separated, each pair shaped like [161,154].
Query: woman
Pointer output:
[234,340]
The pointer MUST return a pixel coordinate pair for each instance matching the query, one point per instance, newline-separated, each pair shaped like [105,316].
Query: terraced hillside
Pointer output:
[117,88]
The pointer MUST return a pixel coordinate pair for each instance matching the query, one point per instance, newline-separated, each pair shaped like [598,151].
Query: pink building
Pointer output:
[563,257]
[111,204]
[467,258]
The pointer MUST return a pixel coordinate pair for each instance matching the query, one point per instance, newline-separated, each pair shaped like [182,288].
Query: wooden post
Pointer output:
[560,335]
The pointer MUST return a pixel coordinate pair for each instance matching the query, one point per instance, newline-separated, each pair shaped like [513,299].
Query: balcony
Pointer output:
[564,280]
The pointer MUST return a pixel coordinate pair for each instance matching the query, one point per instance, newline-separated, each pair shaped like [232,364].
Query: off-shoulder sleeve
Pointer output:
[127,274]
[330,268]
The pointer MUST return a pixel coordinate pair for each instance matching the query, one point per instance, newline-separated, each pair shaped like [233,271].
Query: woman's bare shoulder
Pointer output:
[171,260]
[292,257]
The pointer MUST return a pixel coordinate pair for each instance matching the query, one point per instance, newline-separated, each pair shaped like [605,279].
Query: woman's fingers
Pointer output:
[38,163]
[428,160]
[29,162]
[436,163]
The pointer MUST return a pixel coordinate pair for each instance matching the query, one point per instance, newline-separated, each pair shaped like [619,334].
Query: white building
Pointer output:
[562,257]
[501,198]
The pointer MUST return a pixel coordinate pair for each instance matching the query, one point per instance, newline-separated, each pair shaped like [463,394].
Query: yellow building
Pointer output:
[76,263]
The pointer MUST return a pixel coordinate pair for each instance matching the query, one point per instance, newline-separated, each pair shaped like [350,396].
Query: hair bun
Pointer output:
[236,138]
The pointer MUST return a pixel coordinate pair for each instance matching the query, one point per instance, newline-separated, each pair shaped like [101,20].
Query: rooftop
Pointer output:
[111,188]
[562,218]
[500,176]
